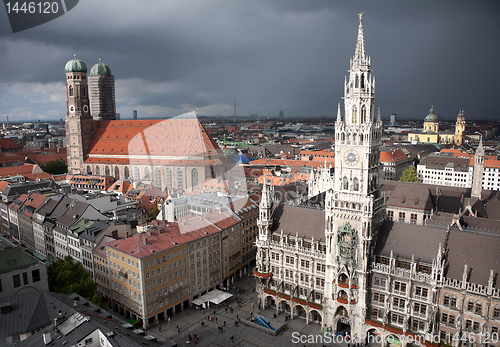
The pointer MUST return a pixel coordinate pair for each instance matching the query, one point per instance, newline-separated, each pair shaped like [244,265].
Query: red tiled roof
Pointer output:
[157,137]
[22,198]
[3,185]
[173,234]
[7,143]
[395,155]
[17,170]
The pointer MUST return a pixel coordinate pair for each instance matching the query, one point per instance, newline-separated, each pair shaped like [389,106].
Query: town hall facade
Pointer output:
[344,265]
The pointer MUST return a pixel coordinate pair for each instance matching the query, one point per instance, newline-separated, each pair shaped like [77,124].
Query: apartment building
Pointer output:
[149,275]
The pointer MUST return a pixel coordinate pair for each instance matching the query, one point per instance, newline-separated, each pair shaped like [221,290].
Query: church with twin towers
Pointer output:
[340,262]
[173,153]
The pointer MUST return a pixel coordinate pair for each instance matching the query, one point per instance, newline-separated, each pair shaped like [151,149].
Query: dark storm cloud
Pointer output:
[171,56]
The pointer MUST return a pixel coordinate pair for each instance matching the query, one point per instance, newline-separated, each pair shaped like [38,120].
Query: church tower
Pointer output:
[460,128]
[102,92]
[477,180]
[355,206]
[79,123]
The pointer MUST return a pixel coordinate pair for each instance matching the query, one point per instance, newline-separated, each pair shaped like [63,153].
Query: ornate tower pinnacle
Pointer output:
[477,180]
[339,113]
[360,55]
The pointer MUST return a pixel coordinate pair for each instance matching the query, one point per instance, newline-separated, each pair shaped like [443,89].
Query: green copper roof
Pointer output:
[100,69]
[431,117]
[75,65]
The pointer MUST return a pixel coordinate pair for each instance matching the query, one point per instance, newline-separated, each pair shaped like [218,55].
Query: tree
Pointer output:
[409,175]
[55,167]
[151,216]
[67,276]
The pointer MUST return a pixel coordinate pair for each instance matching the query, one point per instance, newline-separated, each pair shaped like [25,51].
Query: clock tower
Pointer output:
[355,207]
[79,122]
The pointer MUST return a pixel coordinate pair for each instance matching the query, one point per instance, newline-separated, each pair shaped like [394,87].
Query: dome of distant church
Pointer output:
[100,69]
[75,65]
[431,117]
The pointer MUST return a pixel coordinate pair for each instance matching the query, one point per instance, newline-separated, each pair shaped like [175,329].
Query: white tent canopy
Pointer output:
[215,297]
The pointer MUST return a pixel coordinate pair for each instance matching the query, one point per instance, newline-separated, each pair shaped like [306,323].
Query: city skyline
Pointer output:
[274,56]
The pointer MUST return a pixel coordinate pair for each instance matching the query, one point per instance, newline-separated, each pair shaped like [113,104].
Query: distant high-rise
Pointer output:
[282,115]
[235,107]
[134,114]
[102,92]
[393,119]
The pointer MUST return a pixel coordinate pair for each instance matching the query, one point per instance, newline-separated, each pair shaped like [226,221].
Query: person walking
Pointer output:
[159,328]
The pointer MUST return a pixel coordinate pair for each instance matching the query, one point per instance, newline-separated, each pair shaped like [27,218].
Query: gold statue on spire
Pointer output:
[360,14]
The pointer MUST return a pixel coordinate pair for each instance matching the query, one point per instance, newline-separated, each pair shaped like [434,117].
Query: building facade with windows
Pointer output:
[20,272]
[422,263]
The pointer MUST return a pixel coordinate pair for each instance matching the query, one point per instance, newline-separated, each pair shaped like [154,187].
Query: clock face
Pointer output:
[351,157]
[72,109]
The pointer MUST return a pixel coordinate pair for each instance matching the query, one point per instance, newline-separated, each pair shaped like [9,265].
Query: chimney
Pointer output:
[47,338]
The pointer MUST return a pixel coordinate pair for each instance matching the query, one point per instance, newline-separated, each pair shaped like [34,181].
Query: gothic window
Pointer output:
[106,171]
[362,80]
[180,180]
[356,83]
[361,138]
[168,177]
[146,174]
[363,114]
[70,91]
[354,137]
[354,115]
[347,241]
[345,183]
[194,178]
[126,173]
[97,171]
[157,178]
[343,137]
[117,173]
[84,93]
[355,184]
[89,171]
[136,173]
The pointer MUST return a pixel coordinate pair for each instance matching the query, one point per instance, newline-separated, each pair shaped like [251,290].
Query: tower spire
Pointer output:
[379,119]
[339,113]
[360,54]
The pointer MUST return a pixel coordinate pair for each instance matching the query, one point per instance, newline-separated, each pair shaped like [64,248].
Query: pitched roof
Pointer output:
[176,137]
[391,156]
[8,143]
[30,312]
[168,235]
[307,222]
[13,258]
[480,252]
[411,195]
[405,240]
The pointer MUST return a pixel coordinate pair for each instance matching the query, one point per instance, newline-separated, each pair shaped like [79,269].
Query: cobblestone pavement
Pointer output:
[189,322]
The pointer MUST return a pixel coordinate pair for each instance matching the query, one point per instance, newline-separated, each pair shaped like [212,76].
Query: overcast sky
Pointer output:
[174,56]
